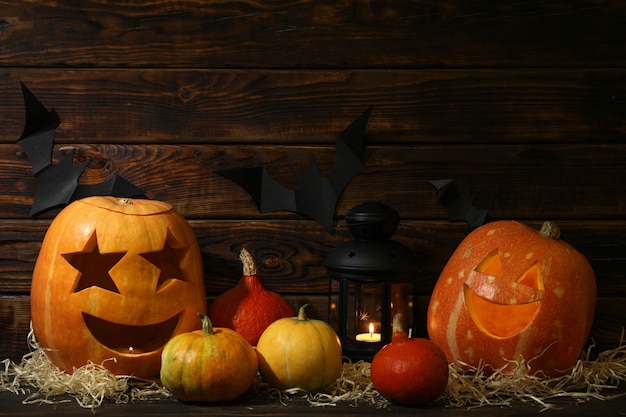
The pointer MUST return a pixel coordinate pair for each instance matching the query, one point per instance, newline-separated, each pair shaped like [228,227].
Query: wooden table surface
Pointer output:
[261,405]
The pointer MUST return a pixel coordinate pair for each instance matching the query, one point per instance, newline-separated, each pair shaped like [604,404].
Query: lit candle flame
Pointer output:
[370,336]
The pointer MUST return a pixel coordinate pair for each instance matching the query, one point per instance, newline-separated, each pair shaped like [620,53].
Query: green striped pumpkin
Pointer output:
[208,365]
[298,352]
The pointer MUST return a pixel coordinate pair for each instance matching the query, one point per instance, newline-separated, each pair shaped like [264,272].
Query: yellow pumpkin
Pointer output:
[298,352]
[116,279]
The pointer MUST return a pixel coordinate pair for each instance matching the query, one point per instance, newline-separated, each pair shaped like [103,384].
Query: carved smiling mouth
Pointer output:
[498,307]
[499,320]
[131,339]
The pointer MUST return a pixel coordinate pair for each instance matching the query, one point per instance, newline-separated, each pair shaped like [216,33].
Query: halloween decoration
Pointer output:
[509,291]
[315,197]
[116,278]
[92,385]
[298,352]
[371,279]
[409,371]
[249,307]
[57,184]
[208,365]
[460,207]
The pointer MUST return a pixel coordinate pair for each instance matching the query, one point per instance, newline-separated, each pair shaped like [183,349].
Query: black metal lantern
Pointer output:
[371,279]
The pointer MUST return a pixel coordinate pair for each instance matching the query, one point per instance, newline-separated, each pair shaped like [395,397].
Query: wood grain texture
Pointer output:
[303,107]
[298,34]
[522,103]
[512,181]
[290,253]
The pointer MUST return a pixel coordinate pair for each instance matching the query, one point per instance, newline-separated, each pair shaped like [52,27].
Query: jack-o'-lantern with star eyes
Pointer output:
[510,292]
[115,279]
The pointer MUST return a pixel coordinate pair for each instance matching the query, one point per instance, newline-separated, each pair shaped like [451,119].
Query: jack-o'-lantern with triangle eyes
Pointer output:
[510,292]
[115,279]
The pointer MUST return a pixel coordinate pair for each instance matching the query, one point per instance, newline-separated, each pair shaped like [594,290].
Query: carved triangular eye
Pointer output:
[491,265]
[531,277]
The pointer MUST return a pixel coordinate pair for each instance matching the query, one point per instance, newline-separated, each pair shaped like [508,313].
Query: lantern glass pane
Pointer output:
[402,302]
[334,297]
[364,308]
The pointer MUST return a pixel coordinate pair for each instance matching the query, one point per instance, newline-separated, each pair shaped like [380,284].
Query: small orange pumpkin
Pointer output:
[298,352]
[509,291]
[249,307]
[409,371]
[208,365]
[116,278]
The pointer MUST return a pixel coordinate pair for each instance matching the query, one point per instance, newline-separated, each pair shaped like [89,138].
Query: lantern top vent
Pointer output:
[372,221]
[372,254]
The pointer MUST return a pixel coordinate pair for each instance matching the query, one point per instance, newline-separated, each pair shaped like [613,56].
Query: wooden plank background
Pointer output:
[523,104]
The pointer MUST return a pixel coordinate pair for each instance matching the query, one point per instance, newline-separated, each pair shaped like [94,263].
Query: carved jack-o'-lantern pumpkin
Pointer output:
[116,278]
[509,291]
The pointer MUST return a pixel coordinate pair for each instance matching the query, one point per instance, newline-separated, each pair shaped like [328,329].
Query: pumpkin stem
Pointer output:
[249,267]
[207,326]
[551,230]
[397,323]
[125,202]
[301,313]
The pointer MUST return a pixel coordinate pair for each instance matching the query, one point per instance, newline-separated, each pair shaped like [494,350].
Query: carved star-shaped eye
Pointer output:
[94,266]
[168,259]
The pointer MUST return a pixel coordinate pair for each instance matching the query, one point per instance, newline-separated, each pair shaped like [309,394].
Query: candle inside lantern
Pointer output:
[369,337]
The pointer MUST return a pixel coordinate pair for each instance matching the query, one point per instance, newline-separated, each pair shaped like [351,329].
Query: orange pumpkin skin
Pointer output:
[208,365]
[116,278]
[409,371]
[509,292]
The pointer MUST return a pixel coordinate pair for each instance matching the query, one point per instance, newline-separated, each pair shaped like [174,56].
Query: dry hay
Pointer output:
[353,387]
[90,386]
[587,379]
[471,387]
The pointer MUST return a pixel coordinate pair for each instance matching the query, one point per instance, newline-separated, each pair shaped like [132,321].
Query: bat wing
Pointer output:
[116,185]
[38,134]
[315,196]
[54,183]
[57,184]
[267,193]
[460,207]
[349,147]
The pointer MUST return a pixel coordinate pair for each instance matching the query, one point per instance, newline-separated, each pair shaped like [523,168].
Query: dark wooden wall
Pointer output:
[522,103]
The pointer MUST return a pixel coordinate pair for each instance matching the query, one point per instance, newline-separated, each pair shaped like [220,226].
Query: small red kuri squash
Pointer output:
[298,352]
[249,307]
[208,365]
[511,292]
[409,371]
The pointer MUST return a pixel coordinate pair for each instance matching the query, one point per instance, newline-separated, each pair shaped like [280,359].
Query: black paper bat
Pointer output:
[460,207]
[315,196]
[57,184]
